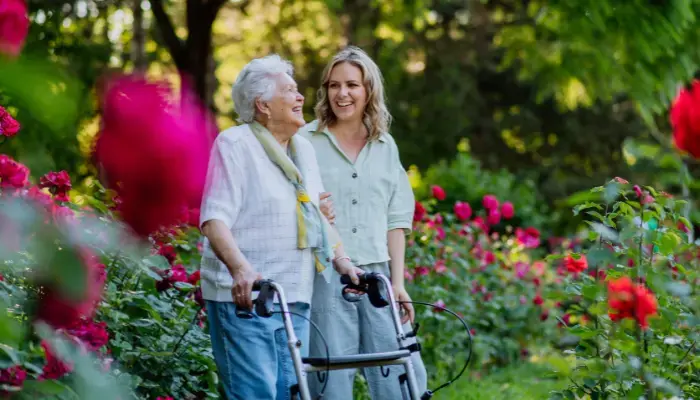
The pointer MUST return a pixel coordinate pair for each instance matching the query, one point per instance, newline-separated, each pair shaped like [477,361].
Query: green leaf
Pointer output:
[669,243]
[49,388]
[612,191]
[560,365]
[581,207]
[50,90]
[9,358]
[679,289]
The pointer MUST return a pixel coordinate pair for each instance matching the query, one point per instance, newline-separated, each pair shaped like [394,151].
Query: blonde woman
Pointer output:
[372,211]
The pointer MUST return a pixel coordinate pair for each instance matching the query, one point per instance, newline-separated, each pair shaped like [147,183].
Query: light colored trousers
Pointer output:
[354,328]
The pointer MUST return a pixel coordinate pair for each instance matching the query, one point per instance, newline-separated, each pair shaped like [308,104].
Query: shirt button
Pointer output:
[354,230]
[354,201]
[354,174]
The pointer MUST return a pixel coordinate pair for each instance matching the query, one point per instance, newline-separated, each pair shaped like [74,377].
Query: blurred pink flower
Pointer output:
[439,306]
[462,210]
[154,154]
[529,237]
[440,267]
[61,311]
[438,192]
[14,26]
[521,269]
[507,210]
[490,202]
[494,216]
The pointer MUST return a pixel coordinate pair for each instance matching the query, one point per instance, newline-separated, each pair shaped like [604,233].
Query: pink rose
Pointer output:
[8,125]
[463,210]
[438,192]
[507,210]
[490,202]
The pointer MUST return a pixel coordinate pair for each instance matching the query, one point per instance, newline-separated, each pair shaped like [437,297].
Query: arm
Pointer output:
[399,223]
[396,239]
[224,246]
[221,204]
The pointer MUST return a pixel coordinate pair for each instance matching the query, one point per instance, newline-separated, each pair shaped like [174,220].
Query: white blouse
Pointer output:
[251,195]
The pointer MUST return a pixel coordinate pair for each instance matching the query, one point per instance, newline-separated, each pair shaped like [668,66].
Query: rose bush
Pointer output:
[632,330]
[496,281]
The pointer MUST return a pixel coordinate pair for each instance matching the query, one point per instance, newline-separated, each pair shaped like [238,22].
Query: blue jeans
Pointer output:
[252,356]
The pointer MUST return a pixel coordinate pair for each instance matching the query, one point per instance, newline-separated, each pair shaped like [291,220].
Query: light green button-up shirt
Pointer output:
[370,197]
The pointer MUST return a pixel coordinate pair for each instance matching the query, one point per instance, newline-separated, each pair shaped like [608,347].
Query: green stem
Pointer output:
[685,178]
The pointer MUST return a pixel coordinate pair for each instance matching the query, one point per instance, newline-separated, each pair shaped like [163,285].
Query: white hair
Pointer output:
[257,81]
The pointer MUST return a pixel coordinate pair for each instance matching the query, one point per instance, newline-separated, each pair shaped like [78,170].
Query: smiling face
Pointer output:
[285,106]
[346,92]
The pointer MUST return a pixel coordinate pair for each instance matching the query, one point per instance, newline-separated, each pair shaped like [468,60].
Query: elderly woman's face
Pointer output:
[285,107]
[346,92]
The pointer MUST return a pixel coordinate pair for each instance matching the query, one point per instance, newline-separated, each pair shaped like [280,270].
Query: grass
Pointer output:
[523,382]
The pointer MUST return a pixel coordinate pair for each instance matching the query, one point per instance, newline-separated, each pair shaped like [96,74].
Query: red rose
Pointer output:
[575,266]
[438,192]
[14,26]
[13,376]
[538,300]
[58,183]
[627,300]
[12,173]
[419,212]
[8,125]
[54,368]
[685,120]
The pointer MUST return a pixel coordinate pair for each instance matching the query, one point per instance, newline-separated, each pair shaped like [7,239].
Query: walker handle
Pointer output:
[370,284]
[263,303]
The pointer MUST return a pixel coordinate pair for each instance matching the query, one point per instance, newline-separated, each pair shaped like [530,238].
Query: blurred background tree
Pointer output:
[550,91]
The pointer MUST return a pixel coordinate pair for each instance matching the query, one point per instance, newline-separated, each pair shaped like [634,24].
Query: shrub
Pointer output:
[632,331]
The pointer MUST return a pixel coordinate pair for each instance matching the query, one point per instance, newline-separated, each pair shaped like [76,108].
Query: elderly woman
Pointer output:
[262,195]
[360,167]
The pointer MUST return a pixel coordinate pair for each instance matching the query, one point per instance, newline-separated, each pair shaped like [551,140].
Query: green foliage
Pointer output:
[465,180]
[490,279]
[646,241]
[603,49]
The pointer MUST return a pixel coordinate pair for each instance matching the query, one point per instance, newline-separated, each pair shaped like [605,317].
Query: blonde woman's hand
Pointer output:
[326,205]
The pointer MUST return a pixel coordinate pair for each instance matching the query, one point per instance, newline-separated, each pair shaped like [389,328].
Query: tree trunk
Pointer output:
[138,43]
[193,56]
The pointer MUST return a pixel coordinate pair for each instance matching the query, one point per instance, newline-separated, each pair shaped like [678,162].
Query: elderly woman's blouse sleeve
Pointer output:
[223,193]
[402,202]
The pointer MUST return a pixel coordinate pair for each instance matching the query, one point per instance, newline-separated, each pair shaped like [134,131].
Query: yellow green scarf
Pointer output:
[312,231]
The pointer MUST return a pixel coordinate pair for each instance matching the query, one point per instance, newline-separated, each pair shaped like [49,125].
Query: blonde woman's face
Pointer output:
[346,92]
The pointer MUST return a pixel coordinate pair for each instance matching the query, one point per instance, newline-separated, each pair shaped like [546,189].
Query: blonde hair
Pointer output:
[376,115]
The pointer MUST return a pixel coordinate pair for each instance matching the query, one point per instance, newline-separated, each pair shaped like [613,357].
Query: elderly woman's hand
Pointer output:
[242,290]
[326,206]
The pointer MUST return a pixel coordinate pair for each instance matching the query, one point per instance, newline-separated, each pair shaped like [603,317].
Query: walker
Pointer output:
[378,288]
